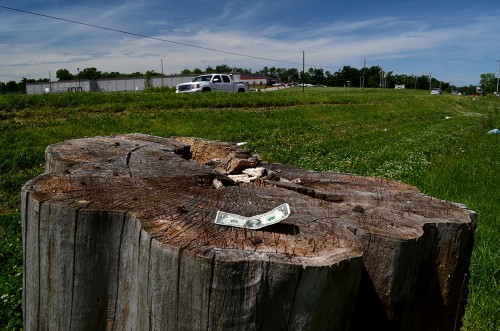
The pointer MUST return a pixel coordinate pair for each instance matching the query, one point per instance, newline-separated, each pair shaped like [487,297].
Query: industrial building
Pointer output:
[106,84]
[127,84]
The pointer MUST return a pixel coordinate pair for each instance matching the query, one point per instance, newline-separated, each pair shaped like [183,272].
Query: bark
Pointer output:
[119,234]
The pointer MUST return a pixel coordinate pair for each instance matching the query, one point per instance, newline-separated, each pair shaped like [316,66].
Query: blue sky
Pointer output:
[455,41]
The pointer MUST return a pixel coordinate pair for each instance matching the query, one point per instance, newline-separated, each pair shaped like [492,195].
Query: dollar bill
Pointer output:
[274,216]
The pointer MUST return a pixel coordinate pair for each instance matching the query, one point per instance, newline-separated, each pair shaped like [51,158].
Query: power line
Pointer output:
[155,38]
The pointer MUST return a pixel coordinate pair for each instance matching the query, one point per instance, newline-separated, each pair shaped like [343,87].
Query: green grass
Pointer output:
[437,143]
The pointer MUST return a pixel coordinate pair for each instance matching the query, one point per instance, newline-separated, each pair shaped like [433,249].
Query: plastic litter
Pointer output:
[494,131]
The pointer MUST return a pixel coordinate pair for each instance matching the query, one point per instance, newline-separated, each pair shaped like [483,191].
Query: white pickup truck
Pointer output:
[212,82]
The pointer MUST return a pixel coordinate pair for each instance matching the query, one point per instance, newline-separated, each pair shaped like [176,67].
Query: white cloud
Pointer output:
[30,46]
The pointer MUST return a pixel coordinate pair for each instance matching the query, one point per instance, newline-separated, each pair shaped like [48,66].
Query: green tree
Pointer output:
[12,86]
[468,90]
[286,75]
[148,80]
[372,76]
[292,74]
[423,82]
[340,77]
[90,73]
[317,76]
[63,74]
[488,82]
[185,72]
[241,70]
[21,86]
[264,71]
[390,79]
[113,74]
[305,77]
[223,68]
[152,73]
[408,80]
[197,71]
[209,70]
[273,72]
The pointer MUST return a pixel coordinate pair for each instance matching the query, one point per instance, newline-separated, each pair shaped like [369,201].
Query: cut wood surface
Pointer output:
[119,234]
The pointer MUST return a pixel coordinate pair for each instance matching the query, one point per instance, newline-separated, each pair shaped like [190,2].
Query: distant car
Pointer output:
[436,91]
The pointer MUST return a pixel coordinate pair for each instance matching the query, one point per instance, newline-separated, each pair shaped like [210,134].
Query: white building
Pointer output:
[109,84]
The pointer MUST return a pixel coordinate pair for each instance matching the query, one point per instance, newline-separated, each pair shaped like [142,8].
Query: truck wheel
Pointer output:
[207,89]
[241,90]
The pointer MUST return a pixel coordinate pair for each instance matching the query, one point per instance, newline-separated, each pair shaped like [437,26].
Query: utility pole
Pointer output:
[430,81]
[498,77]
[303,69]
[363,83]
[162,75]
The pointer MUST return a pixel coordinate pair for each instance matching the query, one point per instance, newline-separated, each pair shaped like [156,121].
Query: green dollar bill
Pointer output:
[274,216]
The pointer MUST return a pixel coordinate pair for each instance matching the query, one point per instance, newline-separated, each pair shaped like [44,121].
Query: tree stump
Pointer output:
[119,234]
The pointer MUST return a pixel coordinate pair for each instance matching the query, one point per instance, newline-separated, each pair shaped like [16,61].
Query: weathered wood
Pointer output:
[416,249]
[119,234]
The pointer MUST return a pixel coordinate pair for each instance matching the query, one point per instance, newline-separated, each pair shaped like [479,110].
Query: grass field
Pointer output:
[437,143]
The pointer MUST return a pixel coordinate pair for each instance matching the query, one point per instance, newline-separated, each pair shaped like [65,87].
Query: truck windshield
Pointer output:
[202,78]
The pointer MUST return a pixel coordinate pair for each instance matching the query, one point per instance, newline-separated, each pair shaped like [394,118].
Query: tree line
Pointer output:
[369,77]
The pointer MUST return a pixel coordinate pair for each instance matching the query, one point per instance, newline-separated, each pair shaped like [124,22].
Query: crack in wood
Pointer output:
[39,264]
[73,278]
[178,284]
[210,289]
[311,192]
[290,316]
